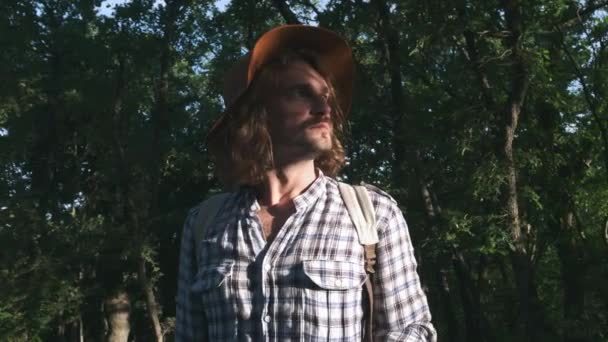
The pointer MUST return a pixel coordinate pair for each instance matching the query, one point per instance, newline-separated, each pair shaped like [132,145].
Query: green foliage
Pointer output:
[100,162]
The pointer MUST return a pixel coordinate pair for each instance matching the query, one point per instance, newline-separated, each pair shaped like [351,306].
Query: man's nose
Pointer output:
[321,106]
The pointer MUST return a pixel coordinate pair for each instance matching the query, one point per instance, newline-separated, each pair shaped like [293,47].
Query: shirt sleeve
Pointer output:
[190,319]
[401,311]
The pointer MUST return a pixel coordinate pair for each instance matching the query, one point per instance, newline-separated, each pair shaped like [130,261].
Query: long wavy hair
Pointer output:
[241,145]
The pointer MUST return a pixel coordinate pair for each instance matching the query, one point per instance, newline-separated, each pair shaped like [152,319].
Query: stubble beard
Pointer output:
[307,145]
[318,142]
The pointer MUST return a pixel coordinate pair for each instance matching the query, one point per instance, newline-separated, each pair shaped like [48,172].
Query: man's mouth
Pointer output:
[320,125]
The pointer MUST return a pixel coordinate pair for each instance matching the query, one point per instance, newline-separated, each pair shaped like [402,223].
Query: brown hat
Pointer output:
[335,60]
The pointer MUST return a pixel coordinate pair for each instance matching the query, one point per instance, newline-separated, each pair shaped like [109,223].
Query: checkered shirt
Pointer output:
[306,285]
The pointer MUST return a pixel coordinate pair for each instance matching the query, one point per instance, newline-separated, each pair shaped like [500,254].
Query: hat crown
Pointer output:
[335,60]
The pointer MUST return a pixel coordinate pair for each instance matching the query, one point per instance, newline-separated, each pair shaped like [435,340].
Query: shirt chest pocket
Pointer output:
[331,275]
[212,276]
[332,298]
[213,286]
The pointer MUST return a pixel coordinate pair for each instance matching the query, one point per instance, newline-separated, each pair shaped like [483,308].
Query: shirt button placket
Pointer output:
[265,288]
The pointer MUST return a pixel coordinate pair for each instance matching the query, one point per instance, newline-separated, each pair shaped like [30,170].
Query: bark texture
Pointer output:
[522,255]
[117,309]
[573,271]
[286,12]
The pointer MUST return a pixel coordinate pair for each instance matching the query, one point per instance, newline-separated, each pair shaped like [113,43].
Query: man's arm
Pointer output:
[190,320]
[401,312]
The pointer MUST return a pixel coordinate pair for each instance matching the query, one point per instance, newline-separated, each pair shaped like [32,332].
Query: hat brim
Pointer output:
[334,58]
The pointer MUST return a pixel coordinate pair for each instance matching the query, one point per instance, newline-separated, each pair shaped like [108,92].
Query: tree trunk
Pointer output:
[472,331]
[117,309]
[532,316]
[511,302]
[573,270]
[445,293]
[45,137]
[472,54]
[478,327]
[286,12]
[530,310]
[520,257]
[390,41]
[161,128]
[80,328]
[150,299]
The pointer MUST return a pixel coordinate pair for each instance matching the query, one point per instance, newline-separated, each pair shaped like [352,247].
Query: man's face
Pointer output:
[299,113]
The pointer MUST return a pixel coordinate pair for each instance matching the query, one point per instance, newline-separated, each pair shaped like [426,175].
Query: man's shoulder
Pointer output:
[377,195]
[214,197]
[381,194]
[212,200]
[385,206]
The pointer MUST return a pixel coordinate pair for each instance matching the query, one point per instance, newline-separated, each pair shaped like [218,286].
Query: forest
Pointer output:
[486,120]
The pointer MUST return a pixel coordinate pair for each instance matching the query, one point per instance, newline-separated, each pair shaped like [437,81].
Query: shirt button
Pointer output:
[267,319]
[267,268]
[338,283]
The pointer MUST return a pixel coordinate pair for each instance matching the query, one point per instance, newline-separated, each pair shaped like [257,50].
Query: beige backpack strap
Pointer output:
[206,213]
[362,213]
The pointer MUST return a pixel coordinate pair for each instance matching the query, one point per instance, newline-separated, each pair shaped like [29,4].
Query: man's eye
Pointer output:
[296,93]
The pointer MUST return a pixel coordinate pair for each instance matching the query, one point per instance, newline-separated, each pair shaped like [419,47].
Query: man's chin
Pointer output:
[309,146]
[321,146]
[321,139]
[314,151]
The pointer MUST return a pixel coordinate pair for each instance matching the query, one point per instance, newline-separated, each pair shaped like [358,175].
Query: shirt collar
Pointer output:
[310,195]
[314,191]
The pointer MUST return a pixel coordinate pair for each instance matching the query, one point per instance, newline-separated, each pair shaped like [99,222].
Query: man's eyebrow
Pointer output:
[307,85]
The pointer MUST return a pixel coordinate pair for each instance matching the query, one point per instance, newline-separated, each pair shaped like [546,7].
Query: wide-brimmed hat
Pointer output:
[334,58]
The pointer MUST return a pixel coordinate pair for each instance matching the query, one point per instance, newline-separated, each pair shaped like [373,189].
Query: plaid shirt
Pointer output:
[304,286]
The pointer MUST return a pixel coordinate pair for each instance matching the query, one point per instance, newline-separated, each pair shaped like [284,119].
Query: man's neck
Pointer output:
[284,183]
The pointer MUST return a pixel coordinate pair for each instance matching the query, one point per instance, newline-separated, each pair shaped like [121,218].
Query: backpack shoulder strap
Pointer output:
[359,205]
[206,213]
[361,210]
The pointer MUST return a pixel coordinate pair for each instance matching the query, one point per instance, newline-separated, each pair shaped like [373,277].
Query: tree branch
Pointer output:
[606,232]
[472,54]
[580,15]
[286,12]
[519,87]
[311,6]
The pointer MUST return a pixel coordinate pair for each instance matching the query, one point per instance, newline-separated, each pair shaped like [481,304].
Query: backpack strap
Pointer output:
[361,210]
[206,213]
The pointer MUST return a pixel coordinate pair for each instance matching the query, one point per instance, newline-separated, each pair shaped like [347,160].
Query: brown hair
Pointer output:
[241,146]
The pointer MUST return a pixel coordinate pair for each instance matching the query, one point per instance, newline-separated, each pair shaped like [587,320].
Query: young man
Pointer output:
[281,259]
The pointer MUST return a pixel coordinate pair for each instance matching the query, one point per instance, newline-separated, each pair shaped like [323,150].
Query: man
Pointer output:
[281,259]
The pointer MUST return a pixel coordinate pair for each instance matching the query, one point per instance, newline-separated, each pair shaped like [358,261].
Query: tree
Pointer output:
[484,119]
